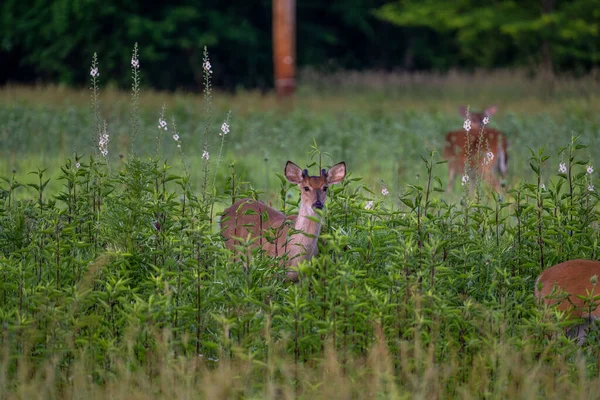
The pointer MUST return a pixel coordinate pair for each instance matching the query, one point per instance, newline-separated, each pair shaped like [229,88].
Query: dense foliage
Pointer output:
[553,34]
[117,282]
[48,42]
[118,259]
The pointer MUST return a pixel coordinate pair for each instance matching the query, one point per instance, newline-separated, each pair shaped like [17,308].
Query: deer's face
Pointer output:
[313,189]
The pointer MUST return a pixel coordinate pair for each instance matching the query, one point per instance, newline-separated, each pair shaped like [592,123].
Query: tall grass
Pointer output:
[116,283]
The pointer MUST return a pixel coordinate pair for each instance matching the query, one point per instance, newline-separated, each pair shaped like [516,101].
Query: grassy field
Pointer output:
[115,281]
[379,125]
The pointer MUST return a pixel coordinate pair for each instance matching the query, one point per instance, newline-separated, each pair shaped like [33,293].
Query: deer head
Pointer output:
[313,189]
[477,117]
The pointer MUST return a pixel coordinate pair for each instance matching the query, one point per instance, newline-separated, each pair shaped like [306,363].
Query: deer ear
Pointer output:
[336,173]
[462,110]
[491,110]
[293,173]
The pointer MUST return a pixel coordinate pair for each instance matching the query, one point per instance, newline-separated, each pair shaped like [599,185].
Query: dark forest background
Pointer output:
[53,42]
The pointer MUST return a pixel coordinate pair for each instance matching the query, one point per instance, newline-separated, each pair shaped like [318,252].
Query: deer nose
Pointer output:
[318,204]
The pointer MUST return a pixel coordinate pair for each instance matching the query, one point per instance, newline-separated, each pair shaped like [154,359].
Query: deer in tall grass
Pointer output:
[486,151]
[270,229]
[571,287]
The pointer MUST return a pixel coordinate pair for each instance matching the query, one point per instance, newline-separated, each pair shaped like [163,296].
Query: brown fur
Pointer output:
[250,217]
[273,231]
[571,278]
[455,150]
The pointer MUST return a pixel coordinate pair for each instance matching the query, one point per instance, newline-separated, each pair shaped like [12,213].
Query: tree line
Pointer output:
[52,42]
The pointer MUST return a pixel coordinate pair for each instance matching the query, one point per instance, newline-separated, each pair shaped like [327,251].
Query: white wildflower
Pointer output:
[162,124]
[179,145]
[467,125]
[543,187]
[135,63]
[224,129]
[207,67]
[77,165]
[369,205]
[205,155]
[486,120]
[590,169]
[94,72]
[590,188]
[465,179]
[562,168]
[103,144]
[385,191]
[176,137]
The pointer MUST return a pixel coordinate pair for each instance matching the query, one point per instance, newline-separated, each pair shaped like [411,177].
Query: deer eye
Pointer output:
[324,188]
[306,188]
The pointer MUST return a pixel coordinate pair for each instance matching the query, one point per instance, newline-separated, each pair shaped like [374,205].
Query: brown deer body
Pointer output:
[571,278]
[478,145]
[276,233]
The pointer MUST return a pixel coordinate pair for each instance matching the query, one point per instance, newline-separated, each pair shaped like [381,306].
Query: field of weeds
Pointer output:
[115,281]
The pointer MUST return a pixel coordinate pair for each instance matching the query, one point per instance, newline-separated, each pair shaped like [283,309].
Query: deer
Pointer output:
[564,284]
[254,219]
[489,154]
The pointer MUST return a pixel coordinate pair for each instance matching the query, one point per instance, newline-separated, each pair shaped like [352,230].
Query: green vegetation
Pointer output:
[553,34]
[46,41]
[115,281]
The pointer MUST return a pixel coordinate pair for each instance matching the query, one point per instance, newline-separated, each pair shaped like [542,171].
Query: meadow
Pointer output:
[115,281]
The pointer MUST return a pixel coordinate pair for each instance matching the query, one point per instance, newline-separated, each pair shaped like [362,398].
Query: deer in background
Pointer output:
[250,217]
[561,285]
[489,154]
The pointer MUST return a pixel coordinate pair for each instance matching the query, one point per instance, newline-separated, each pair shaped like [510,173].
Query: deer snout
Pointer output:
[317,204]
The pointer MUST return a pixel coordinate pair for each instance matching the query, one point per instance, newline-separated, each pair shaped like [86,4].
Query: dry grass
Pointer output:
[502,372]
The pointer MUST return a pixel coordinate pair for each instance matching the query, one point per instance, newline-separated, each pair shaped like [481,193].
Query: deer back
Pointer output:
[265,225]
[572,277]
[455,149]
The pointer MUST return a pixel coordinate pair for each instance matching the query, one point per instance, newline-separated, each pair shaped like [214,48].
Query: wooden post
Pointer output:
[284,46]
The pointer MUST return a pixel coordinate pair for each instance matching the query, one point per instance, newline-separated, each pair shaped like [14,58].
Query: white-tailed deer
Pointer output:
[270,228]
[561,285]
[494,142]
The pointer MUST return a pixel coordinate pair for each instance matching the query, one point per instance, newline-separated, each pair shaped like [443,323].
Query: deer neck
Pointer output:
[303,243]
[501,155]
